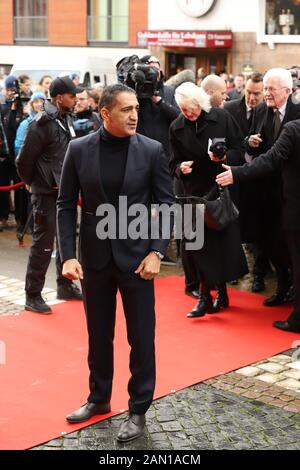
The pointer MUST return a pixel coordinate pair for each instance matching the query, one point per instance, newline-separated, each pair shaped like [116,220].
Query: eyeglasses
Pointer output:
[273,90]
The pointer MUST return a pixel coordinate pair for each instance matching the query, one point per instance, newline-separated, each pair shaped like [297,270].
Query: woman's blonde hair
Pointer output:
[189,93]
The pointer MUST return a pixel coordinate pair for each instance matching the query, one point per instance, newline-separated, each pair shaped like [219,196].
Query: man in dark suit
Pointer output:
[268,119]
[242,110]
[283,157]
[111,164]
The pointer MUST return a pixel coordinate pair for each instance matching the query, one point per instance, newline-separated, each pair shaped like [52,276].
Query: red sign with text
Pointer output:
[204,39]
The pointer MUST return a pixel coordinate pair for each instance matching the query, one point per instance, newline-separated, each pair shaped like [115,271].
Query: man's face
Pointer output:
[25,87]
[155,65]
[254,93]
[218,96]
[239,82]
[274,93]
[82,102]
[121,120]
[66,102]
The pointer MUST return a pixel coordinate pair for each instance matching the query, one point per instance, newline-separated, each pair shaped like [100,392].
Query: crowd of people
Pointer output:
[66,142]
[20,101]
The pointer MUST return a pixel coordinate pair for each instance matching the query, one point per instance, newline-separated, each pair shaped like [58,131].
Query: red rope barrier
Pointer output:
[12,186]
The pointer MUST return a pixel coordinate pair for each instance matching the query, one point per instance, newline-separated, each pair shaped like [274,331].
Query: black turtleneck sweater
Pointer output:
[113,159]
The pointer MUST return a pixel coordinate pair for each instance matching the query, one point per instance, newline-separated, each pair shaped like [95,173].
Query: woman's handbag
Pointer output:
[219,210]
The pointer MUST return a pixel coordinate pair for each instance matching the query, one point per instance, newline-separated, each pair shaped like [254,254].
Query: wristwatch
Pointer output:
[159,254]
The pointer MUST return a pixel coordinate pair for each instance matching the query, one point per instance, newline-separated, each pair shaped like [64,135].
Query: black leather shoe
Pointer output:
[68,292]
[36,303]
[274,300]
[87,411]
[203,306]
[131,428]
[258,284]
[285,326]
[192,293]
[220,301]
[290,296]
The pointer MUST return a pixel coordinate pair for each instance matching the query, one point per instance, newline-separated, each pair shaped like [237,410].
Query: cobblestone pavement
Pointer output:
[256,407]
[200,417]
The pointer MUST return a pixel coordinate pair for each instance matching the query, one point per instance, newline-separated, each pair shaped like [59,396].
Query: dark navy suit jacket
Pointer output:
[146,181]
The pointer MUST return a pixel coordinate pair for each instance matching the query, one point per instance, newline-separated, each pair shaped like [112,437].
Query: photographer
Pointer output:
[200,137]
[11,111]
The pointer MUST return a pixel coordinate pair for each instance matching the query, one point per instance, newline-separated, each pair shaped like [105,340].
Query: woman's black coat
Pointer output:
[222,258]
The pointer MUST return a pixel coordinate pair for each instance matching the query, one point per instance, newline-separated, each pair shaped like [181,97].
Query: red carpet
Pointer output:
[46,376]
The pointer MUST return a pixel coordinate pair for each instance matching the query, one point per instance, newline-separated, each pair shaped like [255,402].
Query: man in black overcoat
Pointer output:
[268,120]
[282,157]
[242,110]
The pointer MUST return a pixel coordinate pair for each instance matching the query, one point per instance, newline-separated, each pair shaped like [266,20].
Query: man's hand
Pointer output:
[226,178]
[185,167]
[72,270]
[149,267]
[255,140]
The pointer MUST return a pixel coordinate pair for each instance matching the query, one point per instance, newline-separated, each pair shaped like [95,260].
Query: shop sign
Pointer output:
[202,39]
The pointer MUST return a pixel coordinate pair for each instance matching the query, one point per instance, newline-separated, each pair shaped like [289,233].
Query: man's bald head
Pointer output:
[216,88]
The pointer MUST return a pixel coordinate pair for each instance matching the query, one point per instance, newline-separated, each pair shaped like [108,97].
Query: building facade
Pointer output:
[231,35]
[72,22]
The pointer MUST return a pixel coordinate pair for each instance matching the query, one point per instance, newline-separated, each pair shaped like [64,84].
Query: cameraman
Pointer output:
[157,112]
[11,114]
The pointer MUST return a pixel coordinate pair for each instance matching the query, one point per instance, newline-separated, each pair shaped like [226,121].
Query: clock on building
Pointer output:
[196,8]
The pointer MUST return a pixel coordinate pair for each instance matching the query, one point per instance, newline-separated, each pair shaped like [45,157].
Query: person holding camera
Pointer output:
[158,107]
[12,113]
[202,138]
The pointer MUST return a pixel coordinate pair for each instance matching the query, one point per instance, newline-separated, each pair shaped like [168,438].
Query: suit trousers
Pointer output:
[293,240]
[44,230]
[99,294]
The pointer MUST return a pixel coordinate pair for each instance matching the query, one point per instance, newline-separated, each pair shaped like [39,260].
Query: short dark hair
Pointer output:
[256,77]
[23,78]
[110,93]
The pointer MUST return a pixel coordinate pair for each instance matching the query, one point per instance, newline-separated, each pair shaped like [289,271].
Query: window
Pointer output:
[30,20]
[281,21]
[108,20]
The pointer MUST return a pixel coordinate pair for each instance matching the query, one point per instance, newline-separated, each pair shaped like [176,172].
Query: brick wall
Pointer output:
[247,51]
[138,19]
[6,22]
[67,22]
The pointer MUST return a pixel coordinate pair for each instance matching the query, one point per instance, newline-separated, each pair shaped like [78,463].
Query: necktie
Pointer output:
[276,124]
[249,118]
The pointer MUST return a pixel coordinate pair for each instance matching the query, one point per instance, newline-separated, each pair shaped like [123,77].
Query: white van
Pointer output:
[92,65]
[90,69]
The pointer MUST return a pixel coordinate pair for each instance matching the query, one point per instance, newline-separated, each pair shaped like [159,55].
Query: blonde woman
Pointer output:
[221,259]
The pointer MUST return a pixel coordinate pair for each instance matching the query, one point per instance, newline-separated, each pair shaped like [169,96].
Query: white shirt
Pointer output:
[282,111]
[249,111]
